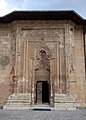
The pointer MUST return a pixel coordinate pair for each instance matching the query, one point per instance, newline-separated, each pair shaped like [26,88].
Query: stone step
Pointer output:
[41,107]
[16,108]
[18,104]
[16,96]
[9,100]
[17,101]
[64,102]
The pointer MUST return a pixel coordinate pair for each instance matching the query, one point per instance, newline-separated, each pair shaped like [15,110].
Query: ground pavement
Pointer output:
[42,115]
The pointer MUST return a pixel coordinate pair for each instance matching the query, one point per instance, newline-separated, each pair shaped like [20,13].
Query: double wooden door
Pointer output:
[42,92]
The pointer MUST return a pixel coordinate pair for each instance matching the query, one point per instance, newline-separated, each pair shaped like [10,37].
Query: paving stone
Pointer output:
[42,115]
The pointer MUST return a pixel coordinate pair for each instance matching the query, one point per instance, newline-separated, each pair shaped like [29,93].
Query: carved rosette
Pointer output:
[4,61]
[4,55]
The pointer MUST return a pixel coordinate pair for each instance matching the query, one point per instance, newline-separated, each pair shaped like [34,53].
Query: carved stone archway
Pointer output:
[42,77]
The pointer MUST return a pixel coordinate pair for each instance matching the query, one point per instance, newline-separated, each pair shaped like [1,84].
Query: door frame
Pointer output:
[42,92]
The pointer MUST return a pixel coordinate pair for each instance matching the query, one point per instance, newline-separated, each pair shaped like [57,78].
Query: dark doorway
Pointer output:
[42,92]
[45,92]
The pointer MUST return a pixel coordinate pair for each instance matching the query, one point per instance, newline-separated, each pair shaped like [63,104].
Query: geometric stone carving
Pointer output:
[43,62]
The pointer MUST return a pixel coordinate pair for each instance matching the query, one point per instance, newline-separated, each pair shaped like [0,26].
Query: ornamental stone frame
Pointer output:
[56,58]
[58,43]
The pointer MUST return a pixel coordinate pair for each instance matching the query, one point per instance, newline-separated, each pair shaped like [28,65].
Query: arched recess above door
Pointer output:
[41,47]
[42,60]
[42,68]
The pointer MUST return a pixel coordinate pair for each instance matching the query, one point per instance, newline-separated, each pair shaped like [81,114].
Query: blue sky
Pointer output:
[7,6]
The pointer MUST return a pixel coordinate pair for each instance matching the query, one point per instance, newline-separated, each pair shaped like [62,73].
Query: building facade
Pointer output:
[42,60]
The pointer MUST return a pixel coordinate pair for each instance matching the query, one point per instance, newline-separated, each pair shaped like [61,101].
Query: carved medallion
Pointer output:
[4,61]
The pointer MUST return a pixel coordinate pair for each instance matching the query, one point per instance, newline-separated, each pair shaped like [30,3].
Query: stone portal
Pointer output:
[44,65]
[42,78]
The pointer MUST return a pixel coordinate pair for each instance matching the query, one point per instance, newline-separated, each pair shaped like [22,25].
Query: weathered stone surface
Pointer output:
[18,101]
[32,51]
[65,102]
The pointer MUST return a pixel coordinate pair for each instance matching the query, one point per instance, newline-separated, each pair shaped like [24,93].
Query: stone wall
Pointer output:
[80,64]
[5,63]
[21,42]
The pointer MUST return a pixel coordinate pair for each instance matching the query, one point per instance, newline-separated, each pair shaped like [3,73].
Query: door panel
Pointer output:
[42,92]
[39,92]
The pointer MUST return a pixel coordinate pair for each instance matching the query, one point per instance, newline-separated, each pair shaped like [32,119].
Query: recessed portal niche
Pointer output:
[42,78]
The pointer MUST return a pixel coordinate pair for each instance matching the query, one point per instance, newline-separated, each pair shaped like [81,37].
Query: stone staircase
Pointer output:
[23,100]
[42,107]
[64,102]
[18,101]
